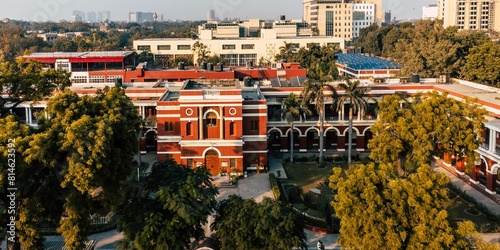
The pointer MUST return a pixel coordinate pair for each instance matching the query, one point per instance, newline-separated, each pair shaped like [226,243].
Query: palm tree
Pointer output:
[293,109]
[354,96]
[313,91]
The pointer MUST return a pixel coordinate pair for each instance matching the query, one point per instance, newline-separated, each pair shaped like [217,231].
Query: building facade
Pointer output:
[470,14]
[430,11]
[230,122]
[339,18]
[236,50]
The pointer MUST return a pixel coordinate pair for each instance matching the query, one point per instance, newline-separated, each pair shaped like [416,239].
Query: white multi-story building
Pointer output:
[336,17]
[470,14]
[430,11]
[228,40]
[362,17]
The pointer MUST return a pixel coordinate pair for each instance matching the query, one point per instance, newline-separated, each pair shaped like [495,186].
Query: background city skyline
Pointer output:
[41,10]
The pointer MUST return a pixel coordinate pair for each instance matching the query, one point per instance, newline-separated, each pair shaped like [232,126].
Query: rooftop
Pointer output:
[362,62]
[80,54]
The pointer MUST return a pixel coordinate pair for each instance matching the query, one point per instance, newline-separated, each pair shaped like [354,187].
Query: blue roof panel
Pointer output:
[361,62]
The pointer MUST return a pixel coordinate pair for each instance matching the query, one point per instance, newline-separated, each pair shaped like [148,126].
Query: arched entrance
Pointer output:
[151,141]
[212,162]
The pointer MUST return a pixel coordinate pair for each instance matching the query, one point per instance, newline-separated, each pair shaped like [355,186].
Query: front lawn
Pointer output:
[308,175]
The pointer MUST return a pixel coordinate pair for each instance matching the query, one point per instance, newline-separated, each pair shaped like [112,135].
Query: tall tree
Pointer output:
[407,134]
[286,53]
[384,211]
[90,143]
[28,82]
[354,96]
[429,51]
[201,52]
[482,64]
[246,224]
[313,91]
[292,109]
[169,209]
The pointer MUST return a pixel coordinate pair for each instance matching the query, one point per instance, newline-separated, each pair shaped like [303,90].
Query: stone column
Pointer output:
[200,122]
[221,116]
[490,182]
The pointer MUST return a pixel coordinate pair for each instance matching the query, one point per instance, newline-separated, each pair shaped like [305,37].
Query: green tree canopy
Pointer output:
[379,210]
[246,224]
[90,143]
[169,209]
[28,82]
[408,133]
[482,64]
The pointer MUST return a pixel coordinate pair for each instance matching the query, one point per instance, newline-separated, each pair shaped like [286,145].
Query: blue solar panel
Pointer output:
[361,62]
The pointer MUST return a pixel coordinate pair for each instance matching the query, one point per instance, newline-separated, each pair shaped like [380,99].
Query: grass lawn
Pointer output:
[308,175]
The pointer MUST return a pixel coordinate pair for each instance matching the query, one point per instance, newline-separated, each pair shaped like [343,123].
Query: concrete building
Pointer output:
[470,14]
[336,17]
[140,17]
[430,11]
[228,40]
[387,17]
[211,15]
[362,16]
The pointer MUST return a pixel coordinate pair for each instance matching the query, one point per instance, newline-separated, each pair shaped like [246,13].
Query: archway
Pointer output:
[212,162]
[151,140]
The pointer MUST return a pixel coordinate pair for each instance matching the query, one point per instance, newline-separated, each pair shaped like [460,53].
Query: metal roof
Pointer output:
[362,62]
[80,54]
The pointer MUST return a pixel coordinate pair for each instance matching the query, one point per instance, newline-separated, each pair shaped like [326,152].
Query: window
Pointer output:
[254,125]
[183,47]
[188,129]
[169,126]
[247,46]
[79,79]
[228,46]
[189,163]
[143,47]
[232,163]
[96,79]
[231,128]
[211,119]
[163,47]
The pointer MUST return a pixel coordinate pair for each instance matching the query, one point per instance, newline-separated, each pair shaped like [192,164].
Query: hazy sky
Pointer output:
[39,10]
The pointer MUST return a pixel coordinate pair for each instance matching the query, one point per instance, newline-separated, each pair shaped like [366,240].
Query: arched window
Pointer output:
[211,119]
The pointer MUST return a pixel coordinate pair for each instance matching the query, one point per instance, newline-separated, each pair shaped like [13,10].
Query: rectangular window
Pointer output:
[231,128]
[183,47]
[254,125]
[329,23]
[96,79]
[143,47]
[169,126]
[163,47]
[189,163]
[247,46]
[232,163]
[228,46]
[188,129]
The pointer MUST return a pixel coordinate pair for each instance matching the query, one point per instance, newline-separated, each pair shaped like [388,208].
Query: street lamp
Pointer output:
[139,152]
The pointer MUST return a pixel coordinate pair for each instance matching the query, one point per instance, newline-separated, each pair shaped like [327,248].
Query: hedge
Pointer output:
[274,186]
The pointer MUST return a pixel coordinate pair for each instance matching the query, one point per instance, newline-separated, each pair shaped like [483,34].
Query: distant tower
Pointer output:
[387,17]
[155,17]
[211,15]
